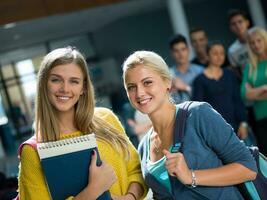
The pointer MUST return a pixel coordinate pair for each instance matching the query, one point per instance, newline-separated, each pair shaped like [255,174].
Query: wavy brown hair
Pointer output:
[46,121]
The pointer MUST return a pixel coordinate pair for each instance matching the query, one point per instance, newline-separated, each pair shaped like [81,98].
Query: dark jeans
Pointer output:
[261,135]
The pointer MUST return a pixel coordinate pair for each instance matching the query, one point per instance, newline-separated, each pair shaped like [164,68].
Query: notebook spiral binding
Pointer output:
[80,139]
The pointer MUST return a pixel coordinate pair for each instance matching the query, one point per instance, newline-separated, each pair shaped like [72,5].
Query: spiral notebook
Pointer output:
[65,164]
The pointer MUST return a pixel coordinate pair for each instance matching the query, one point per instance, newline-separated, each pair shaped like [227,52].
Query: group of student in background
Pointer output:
[236,86]
[213,159]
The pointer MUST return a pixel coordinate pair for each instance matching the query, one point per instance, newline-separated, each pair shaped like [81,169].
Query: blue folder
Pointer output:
[65,164]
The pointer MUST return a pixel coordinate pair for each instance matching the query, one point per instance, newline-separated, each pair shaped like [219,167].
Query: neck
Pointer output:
[66,123]
[242,39]
[263,56]
[214,72]
[163,120]
[202,57]
[182,67]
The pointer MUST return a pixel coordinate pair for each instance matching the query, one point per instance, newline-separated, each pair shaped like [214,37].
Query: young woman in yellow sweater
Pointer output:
[65,107]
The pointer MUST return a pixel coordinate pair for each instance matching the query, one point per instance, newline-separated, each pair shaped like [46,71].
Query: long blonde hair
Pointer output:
[253,58]
[149,59]
[46,122]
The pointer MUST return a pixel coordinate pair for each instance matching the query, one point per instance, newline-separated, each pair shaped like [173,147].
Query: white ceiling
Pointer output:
[85,21]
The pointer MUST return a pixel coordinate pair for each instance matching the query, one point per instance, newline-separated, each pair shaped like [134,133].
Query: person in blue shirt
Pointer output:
[183,72]
[213,160]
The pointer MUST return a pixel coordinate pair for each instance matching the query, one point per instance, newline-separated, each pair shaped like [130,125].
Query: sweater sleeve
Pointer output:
[220,137]
[133,163]
[31,179]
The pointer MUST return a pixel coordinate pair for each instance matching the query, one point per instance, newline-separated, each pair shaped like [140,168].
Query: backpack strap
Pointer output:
[179,127]
[31,141]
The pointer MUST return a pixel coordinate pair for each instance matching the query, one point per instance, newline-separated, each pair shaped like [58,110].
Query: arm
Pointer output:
[132,165]
[248,91]
[179,84]
[226,175]
[238,163]
[31,179]
[256,93]
[139,128]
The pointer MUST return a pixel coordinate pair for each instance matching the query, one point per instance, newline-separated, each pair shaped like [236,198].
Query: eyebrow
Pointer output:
[77,78]
[144,79]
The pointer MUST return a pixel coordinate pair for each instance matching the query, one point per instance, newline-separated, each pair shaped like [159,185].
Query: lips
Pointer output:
[144,101]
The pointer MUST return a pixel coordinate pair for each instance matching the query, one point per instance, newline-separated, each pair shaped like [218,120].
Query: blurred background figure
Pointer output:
[183,72]
[239,24]
[220,88]
[238,51]
[199,41]
[140,124]
[254,84]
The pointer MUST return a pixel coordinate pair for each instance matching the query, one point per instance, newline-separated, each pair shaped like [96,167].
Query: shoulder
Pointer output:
[234,46]
[201,77]
[31,143]
[228,72]
[108,116]
[196,67]
[197,110]
[103,113]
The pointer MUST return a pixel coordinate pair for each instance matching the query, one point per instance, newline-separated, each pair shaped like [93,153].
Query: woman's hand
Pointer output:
[100,180]
[177,166]
[101,177]
[242,131]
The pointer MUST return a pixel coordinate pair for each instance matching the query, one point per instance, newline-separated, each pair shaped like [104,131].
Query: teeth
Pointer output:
[144,101]
[63,98]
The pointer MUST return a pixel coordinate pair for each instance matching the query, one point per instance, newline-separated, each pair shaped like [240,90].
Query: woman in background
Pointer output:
[219,87]
[65,108]
[254,84]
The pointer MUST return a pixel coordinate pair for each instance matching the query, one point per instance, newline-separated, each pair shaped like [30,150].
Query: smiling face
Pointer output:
[146,89]
[65,85]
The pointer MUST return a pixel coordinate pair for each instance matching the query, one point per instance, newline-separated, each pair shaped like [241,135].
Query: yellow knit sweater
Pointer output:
[31,178]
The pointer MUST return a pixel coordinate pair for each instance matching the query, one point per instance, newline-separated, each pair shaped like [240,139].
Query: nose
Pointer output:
[140,91]
[64,86]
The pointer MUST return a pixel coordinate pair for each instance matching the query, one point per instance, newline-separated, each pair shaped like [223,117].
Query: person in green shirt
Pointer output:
[254,83]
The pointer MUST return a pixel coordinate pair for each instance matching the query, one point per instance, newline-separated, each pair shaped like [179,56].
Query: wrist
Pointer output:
[244,124]
[92,192]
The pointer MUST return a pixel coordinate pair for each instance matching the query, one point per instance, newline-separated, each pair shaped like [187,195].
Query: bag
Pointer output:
[256,189]
[250,190]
